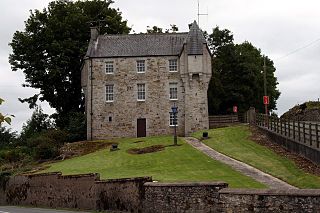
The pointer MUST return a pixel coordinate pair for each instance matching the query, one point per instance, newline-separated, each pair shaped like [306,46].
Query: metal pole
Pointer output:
[175,141]
[265,82]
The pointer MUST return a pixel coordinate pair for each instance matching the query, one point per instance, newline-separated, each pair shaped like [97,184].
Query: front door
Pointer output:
[141,127]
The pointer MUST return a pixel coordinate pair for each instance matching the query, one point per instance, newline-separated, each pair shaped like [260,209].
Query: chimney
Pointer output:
[94,33]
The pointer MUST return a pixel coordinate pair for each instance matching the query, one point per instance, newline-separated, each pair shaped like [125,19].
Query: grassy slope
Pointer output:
[180,163]
[234,142]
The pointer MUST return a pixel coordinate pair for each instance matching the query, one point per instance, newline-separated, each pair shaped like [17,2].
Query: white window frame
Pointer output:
[141,92]
[173,91]
[109,67]
[173,67]
[141,66]
[109,93]
[171,119]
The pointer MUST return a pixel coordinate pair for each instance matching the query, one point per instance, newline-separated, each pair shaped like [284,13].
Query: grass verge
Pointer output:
[234,142]
[174,163]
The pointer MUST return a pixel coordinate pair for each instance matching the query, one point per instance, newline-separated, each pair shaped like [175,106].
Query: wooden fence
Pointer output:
[306,133]
[223,120]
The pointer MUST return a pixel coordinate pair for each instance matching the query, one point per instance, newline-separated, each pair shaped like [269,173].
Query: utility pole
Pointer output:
[265,82]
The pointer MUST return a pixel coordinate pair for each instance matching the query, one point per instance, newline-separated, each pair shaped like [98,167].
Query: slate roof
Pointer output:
[165,44]
[195,40]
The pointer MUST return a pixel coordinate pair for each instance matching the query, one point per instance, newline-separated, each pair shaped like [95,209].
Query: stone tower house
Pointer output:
[131,82]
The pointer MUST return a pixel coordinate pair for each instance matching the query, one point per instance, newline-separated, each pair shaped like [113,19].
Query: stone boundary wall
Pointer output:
[270,200]
[182,197]
[85,191]
[88,192]
[293,146]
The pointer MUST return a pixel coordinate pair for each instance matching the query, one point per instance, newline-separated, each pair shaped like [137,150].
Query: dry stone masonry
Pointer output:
[174,68]
[88,192]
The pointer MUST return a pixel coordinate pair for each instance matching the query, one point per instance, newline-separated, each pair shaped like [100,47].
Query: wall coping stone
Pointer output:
[276,192]
[40,174]
[186,184]
[125,179]
[96,175]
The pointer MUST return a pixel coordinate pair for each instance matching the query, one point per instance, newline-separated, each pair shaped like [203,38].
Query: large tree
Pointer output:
[51,48]
[237,77]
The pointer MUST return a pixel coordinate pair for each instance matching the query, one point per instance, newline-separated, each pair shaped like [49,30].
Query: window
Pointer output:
[109,67]
[141,66]
[172,119]
[173,91]
[109,93]
[173,65]
[141,92]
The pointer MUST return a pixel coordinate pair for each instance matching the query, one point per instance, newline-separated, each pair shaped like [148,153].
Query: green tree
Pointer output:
[4,118]
[38,123]
[237,77]
[155,29]
[50,50]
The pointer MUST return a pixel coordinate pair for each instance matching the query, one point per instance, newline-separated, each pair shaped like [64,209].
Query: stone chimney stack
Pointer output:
[94,33]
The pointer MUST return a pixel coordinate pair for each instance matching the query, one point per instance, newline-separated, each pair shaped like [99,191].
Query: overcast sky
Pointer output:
[278,28]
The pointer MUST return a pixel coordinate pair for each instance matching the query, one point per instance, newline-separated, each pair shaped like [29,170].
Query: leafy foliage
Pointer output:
[38,123]
[50,50]
[237,77]
[4,118]
[155,29]
[7,137]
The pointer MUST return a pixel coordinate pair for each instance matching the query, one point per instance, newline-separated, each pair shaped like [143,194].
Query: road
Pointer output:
[15,209]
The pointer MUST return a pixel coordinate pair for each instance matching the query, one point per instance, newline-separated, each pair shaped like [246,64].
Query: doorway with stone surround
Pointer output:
[141,127]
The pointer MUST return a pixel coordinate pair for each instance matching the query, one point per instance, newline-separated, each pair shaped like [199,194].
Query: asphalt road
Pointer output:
[15,209]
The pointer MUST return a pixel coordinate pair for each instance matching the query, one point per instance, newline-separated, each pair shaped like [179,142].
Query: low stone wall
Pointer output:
[241,200]
[88,192]
[182,197]
[52,190]
[121,194]
[74,191]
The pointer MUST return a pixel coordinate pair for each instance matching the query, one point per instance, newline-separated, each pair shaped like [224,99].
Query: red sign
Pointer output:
[265,100]
[235,109]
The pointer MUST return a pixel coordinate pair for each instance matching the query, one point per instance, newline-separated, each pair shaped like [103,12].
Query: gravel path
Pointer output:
[268,180]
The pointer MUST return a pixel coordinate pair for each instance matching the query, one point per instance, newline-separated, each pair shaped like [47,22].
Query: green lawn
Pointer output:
[234,142]
[175,163]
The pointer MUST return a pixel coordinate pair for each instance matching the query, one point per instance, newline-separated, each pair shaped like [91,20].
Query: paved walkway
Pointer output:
[268,180]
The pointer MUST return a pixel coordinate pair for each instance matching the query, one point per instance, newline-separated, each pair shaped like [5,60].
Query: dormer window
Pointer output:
[109,67]
[141,66]
[173,65]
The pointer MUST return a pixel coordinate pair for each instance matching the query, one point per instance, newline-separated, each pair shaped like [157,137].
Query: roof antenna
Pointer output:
[200,14]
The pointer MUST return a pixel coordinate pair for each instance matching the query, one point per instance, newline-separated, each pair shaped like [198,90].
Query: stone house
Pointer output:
[131,82]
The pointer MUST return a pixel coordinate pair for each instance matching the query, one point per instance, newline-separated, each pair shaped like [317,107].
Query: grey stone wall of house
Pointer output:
[88,192]
[126,109]
[119,117]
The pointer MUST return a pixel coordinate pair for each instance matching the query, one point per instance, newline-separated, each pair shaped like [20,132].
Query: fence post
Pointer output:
[317,135]
[289,127]
[281,126]
[285,127]
[294,129]
[304,132]
[310,134]
[299,133]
